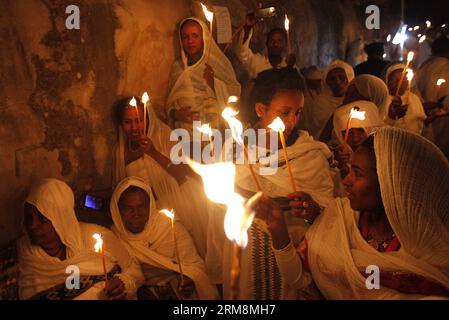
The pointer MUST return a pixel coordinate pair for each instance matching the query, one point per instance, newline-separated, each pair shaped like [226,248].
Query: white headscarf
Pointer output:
[39,271]
[373,89]
[415,116]
[318,109]
[414,178]
[156,237]
[187,84]
[372,118]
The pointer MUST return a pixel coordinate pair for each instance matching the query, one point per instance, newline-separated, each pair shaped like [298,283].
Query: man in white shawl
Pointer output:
[56,245]
[279,93]
[148,157]
[148,236]
[201,81]
[433,96]
[394,221]
[319,108]
[413,117]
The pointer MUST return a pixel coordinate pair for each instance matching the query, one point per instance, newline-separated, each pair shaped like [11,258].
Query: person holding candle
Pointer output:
[394,219]
[55,240]
[148,157]
[318,109]
[279,93]
[411,113]
[201,81]
[148,236]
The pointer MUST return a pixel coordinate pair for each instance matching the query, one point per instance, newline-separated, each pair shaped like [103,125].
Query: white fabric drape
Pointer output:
[416,205]
[187,87]
[372,89]
[415,116]
[39,271]
[319,108]
[154,246]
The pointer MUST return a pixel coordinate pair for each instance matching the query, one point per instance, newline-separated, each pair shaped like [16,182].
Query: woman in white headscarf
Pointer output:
[201,81]
[56,245]
[359,129]
[148,157]
[390,234]
[154,247]
[413,119]
[319,108]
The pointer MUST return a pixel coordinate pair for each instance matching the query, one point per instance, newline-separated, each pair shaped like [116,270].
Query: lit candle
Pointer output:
[133,103]
[209,17]
[145,99]
[278,126]
[355,113]
[98,247]
[287,29]
[422,39]
[389,38]
[206,129]
[239,216]
[428,24]
[409,80]
[237,130]
[171,215]
[410,56]
[439,83]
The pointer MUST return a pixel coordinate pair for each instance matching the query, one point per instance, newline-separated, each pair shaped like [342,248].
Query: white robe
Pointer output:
[39,271]
[154,246]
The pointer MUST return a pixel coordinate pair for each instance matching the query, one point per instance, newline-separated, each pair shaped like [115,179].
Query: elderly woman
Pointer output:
[201,81]
[279,93]
[55,243]
[393,221]
[148,236]
[319,108]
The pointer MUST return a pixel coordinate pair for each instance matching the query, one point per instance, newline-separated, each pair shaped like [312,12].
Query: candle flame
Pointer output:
[389,38]
[133,102]
[145,97]
[233,99]
[416,28]
[384,56]
[236,126]
[410,56]
[286,23]
[206,129]
[169,214]
[443,25]
[428,23]
[277,125]
[238,215]
[357,114]
[209,14]
[440,82]
[410,29]
[422,39]
[419,35]
[410,75]
[99,244]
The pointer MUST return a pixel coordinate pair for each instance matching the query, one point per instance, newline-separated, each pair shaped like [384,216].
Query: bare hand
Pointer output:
[343,156]
[146,145]
[209,76]
[396,110]
[185,115]
[186,287]
[303,206]
[115,289]
[439,113]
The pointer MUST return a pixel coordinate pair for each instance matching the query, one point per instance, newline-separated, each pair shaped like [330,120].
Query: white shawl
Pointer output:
[39,271]
[154,245]
[372,89]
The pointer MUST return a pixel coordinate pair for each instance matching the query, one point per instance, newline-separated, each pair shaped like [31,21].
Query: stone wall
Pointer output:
[58,86]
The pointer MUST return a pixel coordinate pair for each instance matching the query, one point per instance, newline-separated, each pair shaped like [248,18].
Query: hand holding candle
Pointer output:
[410,56]
[278,126]
[98,247]
[171,215]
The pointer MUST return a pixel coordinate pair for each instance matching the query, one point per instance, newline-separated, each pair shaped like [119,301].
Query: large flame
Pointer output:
[357,114]
[277,125]
[440,82]
[286,23]
[169,214]
[236,126]
[209,15]
[145,97]
[218,179]
[99,244]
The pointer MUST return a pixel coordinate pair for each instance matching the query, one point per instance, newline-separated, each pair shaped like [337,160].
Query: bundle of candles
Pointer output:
[145,100]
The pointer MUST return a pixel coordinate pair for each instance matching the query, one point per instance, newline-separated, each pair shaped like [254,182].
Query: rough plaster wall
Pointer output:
[58,86]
